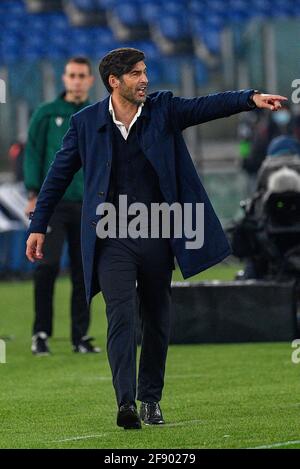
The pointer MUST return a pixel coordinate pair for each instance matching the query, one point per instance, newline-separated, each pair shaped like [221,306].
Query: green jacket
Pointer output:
[48,125]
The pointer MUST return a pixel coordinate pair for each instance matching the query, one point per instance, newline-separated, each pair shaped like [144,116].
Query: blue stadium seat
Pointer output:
[217,6]
[196,8]
[174,27]
[197,23]
[53,52]
[215,20]
[102,36]
[38,23]
[128,13]
[148,47]
[106,4]
[238,11]
[151,10]
[79,36]
[99,51]
[60,40]
[85,5]
[212,39]
[58,22]
[10,48]
[14,7]
[36,41]
[79,49]
[261,8]
[91,41]
[238,16]
[174,7]
[282,8]
[102,40]
[79,43]
[13,25]
[208,33]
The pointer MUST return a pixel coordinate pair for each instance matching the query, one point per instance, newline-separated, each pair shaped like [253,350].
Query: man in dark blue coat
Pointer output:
[131,145]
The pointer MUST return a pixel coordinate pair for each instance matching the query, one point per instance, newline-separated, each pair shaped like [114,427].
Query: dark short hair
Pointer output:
[117,62]
[80,60]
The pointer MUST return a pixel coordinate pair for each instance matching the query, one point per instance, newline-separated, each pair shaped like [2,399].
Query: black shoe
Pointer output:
[85,346]
[39,345]
[128,417]
[151,414]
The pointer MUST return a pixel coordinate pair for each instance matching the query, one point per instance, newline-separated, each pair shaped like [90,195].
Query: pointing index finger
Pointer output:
[278,97]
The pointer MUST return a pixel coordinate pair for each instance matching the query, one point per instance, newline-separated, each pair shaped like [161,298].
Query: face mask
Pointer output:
[282,117]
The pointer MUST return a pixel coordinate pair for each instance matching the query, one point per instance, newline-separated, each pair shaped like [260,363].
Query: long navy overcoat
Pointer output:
[88,144]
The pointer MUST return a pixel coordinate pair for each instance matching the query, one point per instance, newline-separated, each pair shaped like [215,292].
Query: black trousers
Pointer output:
[64,224]
[136,274]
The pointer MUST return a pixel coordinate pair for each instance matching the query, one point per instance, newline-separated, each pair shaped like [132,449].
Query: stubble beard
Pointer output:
[129,96]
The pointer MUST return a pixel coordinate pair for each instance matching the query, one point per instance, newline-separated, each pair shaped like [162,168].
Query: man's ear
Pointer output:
[113,81]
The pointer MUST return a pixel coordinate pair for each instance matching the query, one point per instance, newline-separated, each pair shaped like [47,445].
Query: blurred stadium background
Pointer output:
[193,47]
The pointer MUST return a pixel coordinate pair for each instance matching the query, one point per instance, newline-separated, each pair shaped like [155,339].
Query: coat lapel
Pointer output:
[104,129]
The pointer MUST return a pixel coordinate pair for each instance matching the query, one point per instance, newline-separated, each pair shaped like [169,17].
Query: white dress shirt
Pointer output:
[119,124]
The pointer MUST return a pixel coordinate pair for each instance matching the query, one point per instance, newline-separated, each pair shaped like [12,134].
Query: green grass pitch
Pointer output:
[215,396]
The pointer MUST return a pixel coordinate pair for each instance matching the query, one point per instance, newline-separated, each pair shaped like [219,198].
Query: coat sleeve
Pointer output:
[186,112]
[66,163]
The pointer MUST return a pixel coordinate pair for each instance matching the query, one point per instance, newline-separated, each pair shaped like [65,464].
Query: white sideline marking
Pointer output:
[84,437]
[100,435]
[275,445]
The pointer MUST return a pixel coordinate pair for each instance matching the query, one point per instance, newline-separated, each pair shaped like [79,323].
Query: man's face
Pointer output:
[132,86]
[77,80]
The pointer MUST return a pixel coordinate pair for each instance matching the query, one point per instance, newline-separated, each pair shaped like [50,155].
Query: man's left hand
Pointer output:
[268,101]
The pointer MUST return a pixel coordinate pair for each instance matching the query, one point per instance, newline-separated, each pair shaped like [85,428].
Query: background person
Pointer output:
[48,125]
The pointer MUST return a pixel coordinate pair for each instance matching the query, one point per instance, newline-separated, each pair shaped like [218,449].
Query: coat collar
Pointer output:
[104,117]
